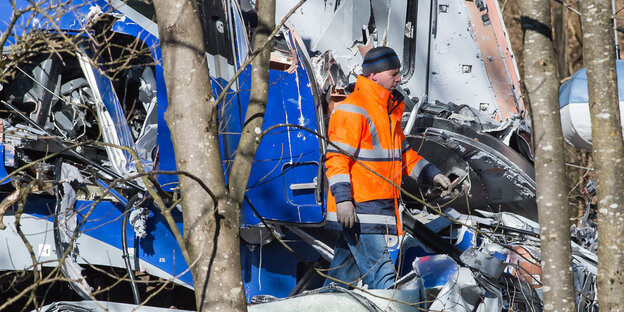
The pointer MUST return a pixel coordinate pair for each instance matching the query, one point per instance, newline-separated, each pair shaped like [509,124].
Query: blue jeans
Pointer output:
[362,256]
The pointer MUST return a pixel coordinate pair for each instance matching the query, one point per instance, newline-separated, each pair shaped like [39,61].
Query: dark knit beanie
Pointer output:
[380,59]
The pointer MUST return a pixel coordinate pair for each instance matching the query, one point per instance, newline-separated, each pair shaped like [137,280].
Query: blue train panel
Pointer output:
[285,184]
[272,269]
[287,162]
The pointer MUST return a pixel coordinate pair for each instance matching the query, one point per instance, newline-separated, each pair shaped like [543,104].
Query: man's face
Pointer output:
[388,79]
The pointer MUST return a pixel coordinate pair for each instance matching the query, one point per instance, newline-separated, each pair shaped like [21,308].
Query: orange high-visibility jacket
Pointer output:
[367,126]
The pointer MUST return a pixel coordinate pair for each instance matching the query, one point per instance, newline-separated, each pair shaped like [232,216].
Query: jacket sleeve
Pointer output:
[416,166]
[344,133]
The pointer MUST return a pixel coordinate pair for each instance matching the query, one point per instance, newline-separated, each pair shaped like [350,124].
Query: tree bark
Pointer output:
[560,33]
[542,83]
[608,149]
[210,233]
[252,129]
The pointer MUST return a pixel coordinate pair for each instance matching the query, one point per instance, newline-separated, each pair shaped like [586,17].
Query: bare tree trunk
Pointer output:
[250,137]
[210,233]
[608,149]
[542,83]
[560,32]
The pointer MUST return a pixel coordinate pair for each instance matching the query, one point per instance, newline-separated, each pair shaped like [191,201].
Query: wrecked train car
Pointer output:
[463,105]
[463,97]
[75,106]
[459,79]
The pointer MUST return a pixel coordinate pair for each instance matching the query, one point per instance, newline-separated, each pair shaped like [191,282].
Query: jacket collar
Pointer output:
[380,94]
[372,89]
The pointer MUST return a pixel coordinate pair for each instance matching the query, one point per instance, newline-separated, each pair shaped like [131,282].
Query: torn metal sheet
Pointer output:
[449,52]
[462,293]
[463,102]
[66,228]
[499,177]
[487,261]
[339,299]
[101,306]
[502,267]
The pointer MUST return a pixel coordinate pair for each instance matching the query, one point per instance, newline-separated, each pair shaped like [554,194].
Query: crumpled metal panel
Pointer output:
[500,178]
[65,226]
[449,53]
[486,262]
[101,306]
[346,301]
[462,293]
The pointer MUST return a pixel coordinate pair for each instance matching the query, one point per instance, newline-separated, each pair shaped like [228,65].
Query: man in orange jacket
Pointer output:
[366,158]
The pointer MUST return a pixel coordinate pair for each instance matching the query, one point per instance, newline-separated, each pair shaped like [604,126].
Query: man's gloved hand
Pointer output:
[345,212]
[442,182]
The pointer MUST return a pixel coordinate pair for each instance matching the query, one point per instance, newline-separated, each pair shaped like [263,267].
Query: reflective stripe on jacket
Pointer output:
[367,127]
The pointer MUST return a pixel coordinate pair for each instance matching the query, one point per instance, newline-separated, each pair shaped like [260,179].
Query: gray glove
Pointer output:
[345,212]
[442,182]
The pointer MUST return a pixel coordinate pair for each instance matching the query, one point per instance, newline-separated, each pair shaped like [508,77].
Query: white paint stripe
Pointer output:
[135,16]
